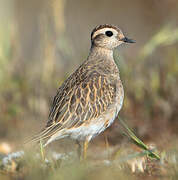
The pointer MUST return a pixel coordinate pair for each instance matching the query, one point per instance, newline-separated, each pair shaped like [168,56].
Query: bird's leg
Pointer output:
[85,146]
[79,149]
[42,150]
[107,145]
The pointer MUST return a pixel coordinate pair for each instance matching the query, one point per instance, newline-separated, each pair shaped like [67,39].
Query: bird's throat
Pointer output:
[101,52]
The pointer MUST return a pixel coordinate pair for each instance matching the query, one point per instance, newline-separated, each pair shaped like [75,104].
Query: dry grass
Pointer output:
[128,165]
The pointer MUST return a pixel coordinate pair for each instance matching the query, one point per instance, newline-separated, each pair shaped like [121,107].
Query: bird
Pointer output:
[90,99]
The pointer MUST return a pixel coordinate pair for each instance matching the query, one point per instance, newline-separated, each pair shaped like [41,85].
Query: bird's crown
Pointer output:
[104,26]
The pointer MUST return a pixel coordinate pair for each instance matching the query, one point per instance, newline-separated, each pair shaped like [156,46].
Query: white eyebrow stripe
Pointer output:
[103,30]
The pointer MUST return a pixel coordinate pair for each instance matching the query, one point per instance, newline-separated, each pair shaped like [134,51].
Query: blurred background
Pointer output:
[42,42]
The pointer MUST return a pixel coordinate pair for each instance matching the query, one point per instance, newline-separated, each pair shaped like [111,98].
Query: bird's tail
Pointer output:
[48,134]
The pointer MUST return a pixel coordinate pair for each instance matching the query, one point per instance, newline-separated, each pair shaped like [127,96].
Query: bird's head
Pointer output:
[108,37]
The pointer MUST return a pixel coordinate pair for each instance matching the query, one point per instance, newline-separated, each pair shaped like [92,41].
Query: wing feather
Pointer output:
[78,101]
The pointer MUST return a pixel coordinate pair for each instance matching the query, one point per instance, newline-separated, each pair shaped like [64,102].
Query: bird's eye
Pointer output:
[109,33]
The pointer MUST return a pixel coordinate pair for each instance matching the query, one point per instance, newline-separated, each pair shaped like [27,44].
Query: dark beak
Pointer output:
[127,40]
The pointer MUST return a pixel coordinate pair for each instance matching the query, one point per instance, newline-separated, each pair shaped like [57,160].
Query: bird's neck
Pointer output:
[104,59]
[96,51]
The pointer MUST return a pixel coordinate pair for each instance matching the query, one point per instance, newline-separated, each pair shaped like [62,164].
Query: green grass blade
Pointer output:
[129,133]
